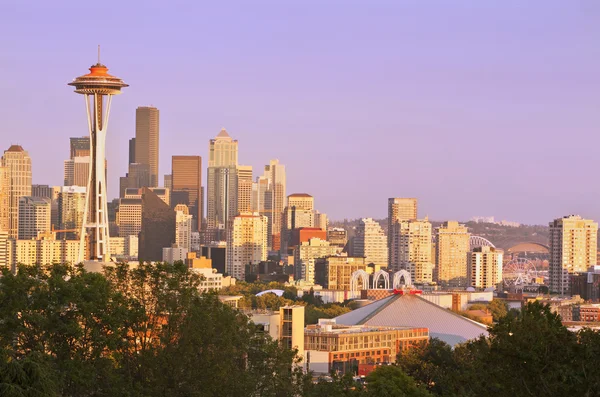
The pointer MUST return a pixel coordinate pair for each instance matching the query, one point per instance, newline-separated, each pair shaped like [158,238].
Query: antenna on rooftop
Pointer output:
[98,53]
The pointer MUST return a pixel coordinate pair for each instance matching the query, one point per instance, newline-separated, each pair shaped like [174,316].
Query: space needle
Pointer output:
[97,87]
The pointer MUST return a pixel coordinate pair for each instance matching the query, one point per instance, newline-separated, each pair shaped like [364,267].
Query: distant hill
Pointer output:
[502,237]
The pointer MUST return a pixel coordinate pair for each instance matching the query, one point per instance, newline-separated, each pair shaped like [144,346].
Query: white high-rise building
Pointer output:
[246,243]
[573,249]
[34,216]
[18,163]
[452,246]
[183,226]
[275,199]
[370,242]
[399,209]
[306,253]
[484,267]
[412,249]
[4,198]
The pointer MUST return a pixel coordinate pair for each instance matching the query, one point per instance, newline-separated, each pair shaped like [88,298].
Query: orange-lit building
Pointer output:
[330,346]
[303,234]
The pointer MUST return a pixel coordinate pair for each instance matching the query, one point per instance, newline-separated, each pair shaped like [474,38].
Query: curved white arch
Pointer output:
[476,241]
[399,275]
[354,280]
[386,279]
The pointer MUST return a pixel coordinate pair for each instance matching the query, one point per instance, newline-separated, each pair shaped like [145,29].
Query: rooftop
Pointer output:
[15,148]
[338,329]
[300,195]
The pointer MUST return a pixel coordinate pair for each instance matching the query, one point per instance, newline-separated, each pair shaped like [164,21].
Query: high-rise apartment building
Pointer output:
[4,199]
[370,242]
[399,209]
[451,249]
[298,213]
[321,220]
[301,201]
[186,182]
[484,267]
[18,163]
[246,243]
[573,249]
[183,226]
[146,141]
[305,254]
[222,184]
[71,208]
[244,184]
[5,249]
[34,216]
[412,249]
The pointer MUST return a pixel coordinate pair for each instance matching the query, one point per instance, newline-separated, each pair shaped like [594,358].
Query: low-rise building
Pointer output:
[335,272]
[330,346]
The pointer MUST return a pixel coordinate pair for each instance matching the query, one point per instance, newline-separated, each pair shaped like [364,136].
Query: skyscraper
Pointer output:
[132,151]
[573,248]
[298,213]
[97,86]
[41,191]
[18,163]
[146,140]
[34,216]
[452,246]
[275,199]
[183,226]
[246,243]
[222,185]
[4,198]
[399,209]
[158,226]
[244,175]
[484,267]
[186,182]
[412,249]
[370,242]
[71,208]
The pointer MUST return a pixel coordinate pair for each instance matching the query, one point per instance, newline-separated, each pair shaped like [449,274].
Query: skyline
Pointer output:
[444,94]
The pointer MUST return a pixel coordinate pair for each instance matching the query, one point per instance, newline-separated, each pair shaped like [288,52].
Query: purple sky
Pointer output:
[473,107]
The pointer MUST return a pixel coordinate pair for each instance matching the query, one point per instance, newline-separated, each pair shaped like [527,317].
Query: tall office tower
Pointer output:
[80,147]
[77,171]
[452,246]
[41,191]
[168,181]
[412,249]
[183,226]
[298,213]
[244,183]
[95,86]
[399,209]
[573,248]
[370,242]
[137,178]
[246,243]
[129,218]
[71,207]
[186,182]
[132,151]
[222,182]
[158,226]
[18,163]
[4,198]
[146,140]
[484,267]
[275,199]
[34,216]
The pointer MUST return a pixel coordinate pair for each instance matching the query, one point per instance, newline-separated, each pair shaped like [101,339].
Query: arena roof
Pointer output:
[530,247]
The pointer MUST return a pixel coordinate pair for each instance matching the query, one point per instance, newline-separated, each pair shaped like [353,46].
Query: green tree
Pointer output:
[391,381]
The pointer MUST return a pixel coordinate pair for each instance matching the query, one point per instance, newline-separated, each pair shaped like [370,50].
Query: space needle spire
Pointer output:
[97,87]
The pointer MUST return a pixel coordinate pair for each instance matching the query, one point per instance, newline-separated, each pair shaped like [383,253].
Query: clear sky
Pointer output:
[474,107]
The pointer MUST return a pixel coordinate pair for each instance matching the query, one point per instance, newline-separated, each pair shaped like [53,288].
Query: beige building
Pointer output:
[5,249]
[70,210]
[301,201]
[34,216]
[244,185]
[46,249]
[451,249]
[370,242]
[321,220]
[412,249]
[285,325]
[147,140]
[573,249]
[222,183]
[485,267]
[307,252]
[129,217]
[246,243]
[275,199]
[186,186]
[335,272]
[4,198]
[18,163]
[183,226]
[77,171]
[399,209]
